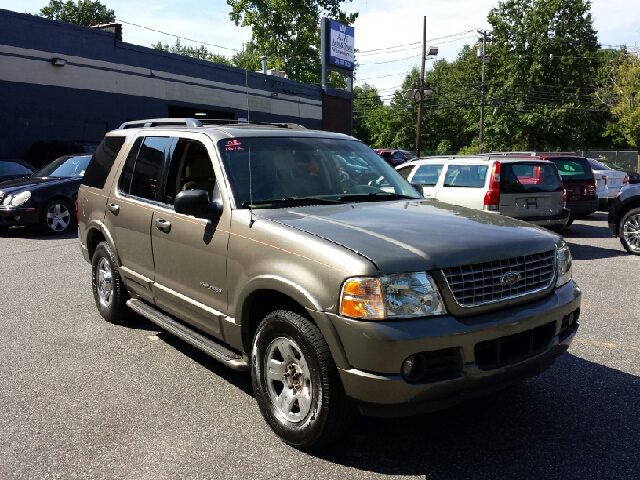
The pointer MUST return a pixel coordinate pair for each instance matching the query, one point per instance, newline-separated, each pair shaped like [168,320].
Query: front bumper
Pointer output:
[582,208]
[375,352]
[11,216]
[549,221]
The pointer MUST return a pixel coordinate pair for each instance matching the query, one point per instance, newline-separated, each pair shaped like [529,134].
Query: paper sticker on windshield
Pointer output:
[233,146]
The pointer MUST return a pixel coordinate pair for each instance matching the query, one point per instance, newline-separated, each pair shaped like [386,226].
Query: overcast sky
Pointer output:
[381,24]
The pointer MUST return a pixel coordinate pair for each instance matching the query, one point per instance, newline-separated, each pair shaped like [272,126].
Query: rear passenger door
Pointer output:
[190,253]
[130,210]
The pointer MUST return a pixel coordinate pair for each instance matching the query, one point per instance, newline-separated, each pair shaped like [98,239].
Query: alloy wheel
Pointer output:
[58,217]
[631,232]
[104,282]
[288,379]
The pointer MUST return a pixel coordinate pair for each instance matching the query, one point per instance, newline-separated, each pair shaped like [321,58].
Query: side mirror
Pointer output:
[196,203]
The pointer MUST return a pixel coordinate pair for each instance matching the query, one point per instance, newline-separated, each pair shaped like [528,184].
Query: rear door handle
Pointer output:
[163,225]
[113,208]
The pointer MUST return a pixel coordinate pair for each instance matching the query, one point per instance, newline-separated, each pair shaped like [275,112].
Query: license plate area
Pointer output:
[531,203]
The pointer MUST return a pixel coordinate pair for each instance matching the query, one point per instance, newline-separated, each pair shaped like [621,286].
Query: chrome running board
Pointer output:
[207,345]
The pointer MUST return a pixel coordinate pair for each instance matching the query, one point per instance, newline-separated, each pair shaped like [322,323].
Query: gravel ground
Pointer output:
[81,398]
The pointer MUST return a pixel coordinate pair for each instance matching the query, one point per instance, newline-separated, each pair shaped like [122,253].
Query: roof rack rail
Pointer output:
[530,153]
[162,122]
[235,123]
[193,122]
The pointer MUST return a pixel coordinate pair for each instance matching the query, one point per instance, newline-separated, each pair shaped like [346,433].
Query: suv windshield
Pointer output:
[65,167]
[280,171]
[529,177]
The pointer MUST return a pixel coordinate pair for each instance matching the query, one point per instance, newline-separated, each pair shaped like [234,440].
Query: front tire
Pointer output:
[630,231]
[57,217]
[296,382]
[108,290]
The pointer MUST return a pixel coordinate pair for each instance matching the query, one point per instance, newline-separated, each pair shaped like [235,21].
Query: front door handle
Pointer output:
[163,225]
[113,208]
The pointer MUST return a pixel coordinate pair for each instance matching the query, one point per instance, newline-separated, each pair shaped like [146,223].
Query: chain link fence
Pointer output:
[627,159]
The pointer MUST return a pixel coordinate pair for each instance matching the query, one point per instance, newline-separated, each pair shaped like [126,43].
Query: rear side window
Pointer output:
[465,176]
[573,168]
[529,177]
[427,175]
[145,173]
[102,161]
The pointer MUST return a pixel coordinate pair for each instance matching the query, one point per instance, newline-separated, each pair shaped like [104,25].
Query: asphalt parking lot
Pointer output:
[81,398]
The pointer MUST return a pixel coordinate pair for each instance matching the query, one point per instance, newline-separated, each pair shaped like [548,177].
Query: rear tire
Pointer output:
[108,291]
[630,231]
[296,382]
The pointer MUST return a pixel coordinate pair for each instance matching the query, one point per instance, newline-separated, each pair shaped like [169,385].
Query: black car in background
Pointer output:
[12,169]
[45,151]
[47,198]
[624,218]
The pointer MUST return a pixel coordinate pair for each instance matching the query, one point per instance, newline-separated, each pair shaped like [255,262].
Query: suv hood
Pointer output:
[29,183]
[403,236]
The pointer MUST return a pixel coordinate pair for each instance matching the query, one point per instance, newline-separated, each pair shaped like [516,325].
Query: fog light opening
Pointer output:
[413,368]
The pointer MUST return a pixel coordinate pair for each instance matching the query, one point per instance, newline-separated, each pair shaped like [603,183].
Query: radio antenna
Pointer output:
[251,219]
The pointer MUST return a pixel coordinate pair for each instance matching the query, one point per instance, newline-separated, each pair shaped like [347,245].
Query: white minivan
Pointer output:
[525,188]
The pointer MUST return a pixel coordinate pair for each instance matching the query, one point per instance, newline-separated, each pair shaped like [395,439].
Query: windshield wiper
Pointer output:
[375,196]
[292,202]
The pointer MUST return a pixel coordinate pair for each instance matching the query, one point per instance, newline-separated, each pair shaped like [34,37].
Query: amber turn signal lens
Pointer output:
[362,298]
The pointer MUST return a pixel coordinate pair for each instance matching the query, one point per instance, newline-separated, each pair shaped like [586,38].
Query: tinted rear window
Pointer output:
[573,168]
[102,161]
[529,178]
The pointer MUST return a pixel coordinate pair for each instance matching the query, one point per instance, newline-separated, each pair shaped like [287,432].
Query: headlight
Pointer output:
[402,295]
[563,263]
[18,199]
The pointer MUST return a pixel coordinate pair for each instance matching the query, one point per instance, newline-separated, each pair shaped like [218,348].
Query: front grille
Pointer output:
[482,283]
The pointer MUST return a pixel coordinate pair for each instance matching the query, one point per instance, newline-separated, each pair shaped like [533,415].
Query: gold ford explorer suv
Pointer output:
[337,291]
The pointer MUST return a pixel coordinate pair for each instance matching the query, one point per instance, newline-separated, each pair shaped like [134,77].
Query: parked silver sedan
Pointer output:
[615,179]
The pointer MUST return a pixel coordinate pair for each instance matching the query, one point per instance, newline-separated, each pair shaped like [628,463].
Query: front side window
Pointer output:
[465,176]
[274,171]
[190,169]
[65,167]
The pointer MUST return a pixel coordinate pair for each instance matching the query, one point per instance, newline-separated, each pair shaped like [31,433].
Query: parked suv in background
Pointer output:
[248,242]
[624,218]
[579,184]
[394,157]
[523,188]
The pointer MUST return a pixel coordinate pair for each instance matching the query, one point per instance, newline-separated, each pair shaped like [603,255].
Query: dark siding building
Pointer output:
[101,82]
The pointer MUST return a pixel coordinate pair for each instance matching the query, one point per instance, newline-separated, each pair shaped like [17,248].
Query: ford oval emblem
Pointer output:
[510,278]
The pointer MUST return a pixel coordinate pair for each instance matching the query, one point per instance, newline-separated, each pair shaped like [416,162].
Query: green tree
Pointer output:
[621,93]
[288,33]
[248,58]
[541,89]
[367,107]
[200,52]
[85,12]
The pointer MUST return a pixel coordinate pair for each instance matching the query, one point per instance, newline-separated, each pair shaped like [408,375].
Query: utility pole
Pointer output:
[424,55]
[484,62]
